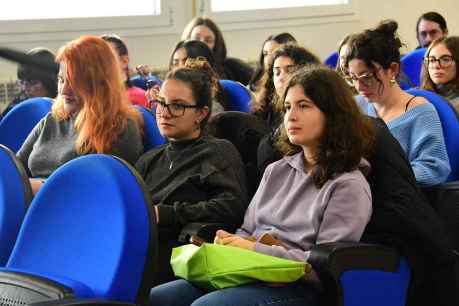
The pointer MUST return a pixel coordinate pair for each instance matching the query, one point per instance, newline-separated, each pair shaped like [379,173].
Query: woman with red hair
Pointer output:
[91,113]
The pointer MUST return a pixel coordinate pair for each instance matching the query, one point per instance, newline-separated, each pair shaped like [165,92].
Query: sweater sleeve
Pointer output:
[346,214]
[27,147]
[227,198]
[428,156]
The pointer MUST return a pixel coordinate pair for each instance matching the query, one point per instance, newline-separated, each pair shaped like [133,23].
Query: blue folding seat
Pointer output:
[238,95]
[17,124]
[15,197]
[151,137]
[411,65]
[90,233]
[450,127]
[332,60]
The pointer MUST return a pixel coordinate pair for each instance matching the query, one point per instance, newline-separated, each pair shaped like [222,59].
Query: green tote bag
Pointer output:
[214,266]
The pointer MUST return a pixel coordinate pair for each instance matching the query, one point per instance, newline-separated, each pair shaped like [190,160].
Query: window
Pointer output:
[51,9]
[244,5]
[245,14]
[54,21]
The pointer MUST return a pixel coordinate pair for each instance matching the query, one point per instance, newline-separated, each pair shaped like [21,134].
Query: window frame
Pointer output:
[294,16]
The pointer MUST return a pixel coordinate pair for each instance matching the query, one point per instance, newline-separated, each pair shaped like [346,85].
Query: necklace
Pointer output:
[172,161]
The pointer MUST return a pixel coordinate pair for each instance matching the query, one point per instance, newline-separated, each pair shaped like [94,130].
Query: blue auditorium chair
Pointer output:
[450,126]
[15,197]
[332,60]
[90,233]
[141,82]
[411,65]
[17,124]
[152,137]
[239,96]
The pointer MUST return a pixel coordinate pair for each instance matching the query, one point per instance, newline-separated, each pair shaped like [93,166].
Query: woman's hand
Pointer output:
[152,95]
[225,238]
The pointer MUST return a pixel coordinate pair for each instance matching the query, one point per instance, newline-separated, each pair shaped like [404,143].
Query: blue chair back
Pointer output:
[450,127]
[15,197]
[332,60]
[412,65]
[90,228]
[151,137]
[141,82]
[17,124]
[239,96]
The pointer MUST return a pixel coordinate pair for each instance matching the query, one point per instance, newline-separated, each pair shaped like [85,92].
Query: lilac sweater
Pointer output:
[288,206]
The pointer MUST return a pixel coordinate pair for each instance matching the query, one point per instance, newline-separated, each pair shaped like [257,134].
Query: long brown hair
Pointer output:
[267,98]
[93,74]
[348,135]
[452,44]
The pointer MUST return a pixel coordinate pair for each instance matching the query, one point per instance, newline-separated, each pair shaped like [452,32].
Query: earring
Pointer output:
[393,81]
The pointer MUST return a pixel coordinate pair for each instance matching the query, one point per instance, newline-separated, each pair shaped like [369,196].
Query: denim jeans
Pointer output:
[183,293]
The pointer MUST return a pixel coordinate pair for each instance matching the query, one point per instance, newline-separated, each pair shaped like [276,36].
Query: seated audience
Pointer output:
[186,49]
[205,30]
[318,192]
[194,177]
[135,94]
[269,45]
[430,26]
[34,82]
[91,113]
[373,63]
[439,73]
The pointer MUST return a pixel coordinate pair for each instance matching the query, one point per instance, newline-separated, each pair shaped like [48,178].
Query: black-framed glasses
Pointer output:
[444,61]
[175,109]
[366,79]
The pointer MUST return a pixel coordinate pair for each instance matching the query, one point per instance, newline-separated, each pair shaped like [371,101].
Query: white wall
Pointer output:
[148,46]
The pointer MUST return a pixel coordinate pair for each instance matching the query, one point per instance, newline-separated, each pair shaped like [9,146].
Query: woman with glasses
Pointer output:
[91,113]
[186,49]
[194,177]
[34,82]
[373,64]
[285,60]
[316,193]
[440,70]
[207,31]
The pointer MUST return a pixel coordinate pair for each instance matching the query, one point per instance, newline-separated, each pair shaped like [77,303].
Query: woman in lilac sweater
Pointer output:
[316,194]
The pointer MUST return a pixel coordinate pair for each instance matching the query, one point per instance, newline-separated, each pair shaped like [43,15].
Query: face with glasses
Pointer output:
[372,83]
[303,120]
[441,65]
[283,66]
[177,114]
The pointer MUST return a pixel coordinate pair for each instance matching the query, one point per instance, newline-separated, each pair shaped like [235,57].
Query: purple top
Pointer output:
[288,206]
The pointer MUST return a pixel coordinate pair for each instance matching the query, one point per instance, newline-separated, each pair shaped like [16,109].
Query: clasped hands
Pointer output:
[225,238]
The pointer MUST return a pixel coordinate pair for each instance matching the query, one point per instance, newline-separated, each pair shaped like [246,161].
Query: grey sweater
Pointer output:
[288,206]
[52,143]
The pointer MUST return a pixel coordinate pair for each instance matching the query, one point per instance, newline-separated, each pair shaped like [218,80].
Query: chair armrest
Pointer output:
[205,231]
[81,302]
[330,260]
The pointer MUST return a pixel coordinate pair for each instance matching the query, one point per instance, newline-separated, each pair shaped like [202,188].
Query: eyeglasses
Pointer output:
[366,79]
[174,109]
[443,62]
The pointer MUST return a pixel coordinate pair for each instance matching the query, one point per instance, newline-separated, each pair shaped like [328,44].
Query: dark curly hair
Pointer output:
[265,104]
[348,134]
[380,45]
[202,80]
